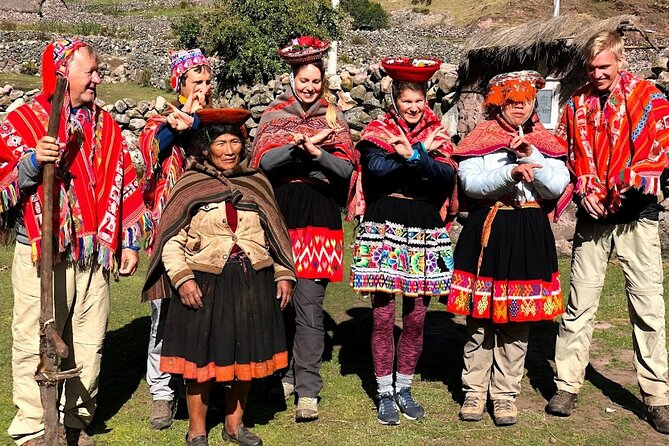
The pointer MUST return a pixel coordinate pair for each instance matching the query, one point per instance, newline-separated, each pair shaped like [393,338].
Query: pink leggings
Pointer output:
[411,339]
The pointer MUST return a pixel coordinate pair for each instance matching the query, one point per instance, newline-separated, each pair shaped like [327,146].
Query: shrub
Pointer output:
[247,33]
[366,14]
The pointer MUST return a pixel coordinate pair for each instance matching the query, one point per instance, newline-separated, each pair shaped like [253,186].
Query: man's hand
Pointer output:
[190,294]
[524,172]
[593,206]
[178,119]
[129,262]
[521,147]
[47,150]
[284,290]
[195,101]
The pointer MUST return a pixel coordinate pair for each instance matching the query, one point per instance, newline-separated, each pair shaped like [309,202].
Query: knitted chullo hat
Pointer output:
[516,86]
[182,61]
[54,62]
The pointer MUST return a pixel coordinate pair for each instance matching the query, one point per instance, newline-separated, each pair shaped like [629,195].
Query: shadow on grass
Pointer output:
[615,392]
[123,367]
[540,351]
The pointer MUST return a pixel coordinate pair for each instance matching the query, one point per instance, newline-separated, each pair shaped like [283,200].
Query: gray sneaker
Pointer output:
[162,413]
[307,409]
[658,417]
[562,404]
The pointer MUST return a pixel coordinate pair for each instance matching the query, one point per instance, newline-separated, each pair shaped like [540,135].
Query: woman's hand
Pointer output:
[190,294]
[284,291]
[309,144]
[520,146]
[47,150]
[430,140]
[524,172]
[179,120]
[401,145]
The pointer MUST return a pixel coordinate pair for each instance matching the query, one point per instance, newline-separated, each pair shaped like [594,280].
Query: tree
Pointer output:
[247,33]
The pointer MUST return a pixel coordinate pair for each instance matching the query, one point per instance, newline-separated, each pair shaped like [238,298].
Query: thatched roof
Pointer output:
[551,46]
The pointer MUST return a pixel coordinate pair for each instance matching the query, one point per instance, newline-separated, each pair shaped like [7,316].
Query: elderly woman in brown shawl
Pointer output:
[224,250]
[304,146]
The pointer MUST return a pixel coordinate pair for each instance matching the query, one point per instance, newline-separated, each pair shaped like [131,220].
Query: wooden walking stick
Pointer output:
[50,342]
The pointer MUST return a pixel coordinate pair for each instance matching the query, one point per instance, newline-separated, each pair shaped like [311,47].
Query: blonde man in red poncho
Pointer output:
[616,129]
[99,217]
[164,145]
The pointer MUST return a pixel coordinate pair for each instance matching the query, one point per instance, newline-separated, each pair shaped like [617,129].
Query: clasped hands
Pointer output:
[308,144]
[402,145]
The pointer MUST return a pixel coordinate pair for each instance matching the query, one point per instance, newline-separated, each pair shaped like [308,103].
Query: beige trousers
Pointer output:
[494,358]
[638,247]
[82,311]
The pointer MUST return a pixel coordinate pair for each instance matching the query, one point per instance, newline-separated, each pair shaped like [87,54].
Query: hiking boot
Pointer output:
[72,436]
[307,409]
[198,441]
[244,437]
[387,412]
[562,404]
[162,413]
[288,389]
[658,417]
[472,408]
[408,406]
[504,412]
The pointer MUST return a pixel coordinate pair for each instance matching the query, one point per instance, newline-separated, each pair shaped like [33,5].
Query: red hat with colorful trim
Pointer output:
[402,69]
[516,86]
[54,61]
[231,116]
[303,50]
[182,61]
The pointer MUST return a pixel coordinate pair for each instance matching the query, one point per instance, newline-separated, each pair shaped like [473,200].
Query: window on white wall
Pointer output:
[548,104]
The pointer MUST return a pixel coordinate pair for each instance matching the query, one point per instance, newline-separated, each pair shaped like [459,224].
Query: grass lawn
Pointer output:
[107,92]
[347,409]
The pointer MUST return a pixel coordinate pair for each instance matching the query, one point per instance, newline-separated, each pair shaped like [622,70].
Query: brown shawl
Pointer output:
[246,188]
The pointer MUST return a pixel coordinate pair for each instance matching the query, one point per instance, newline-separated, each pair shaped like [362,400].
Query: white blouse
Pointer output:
[489,176]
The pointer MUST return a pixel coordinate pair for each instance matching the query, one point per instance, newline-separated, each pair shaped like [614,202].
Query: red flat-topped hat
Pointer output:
[403,69]
[304,50]
[231,116]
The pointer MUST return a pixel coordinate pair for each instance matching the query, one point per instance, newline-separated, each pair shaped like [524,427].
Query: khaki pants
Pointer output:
[494,359]
[638,247]
[82,311]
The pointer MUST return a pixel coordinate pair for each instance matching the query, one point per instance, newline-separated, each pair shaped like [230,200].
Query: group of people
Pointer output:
[244,240]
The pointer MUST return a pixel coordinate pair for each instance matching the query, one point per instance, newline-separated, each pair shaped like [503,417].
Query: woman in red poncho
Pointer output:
[304,146]
[402,245]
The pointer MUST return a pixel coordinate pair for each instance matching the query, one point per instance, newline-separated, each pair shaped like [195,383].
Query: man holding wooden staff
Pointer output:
[98,218]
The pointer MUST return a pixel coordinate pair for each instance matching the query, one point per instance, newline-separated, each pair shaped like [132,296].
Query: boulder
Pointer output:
[257,111]
[334,82]
[131,103]
[122,119]
[161,103]
[371,102]
[134,113]
[360,78]
[264,98]
[660,64]
[136,124]
[15,94]
[358,93]
[120,106]
[143,106]
[386,85]
[345,102]
[357,118]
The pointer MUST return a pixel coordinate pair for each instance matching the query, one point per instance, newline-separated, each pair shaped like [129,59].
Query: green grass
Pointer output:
[107,92]
[347,411]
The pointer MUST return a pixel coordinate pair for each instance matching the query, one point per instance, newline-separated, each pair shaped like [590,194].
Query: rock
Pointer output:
[659,65]
[357,118]
[377,113]
[150,114]
[134,113]
[120,106]
[446,82]
[432,92]
[119,71]
[334,82]
[251,123]
[264,98]
[272,84]
[285,79]
[663,77]
[15,94]
[253,132]
[130,102]
[360,78]
[131,139]
[355,135]
[345,102]
[6,89]
[136,124]
[347,83]
[375,72]
[143,106]
[122,119]
[257,111]
[237,102]
[358,93]
[32,92]
[108,107]
[14,105]
[161,103]
[386,85]
[370,101]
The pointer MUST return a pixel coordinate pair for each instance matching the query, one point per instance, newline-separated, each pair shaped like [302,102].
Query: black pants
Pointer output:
[304,367]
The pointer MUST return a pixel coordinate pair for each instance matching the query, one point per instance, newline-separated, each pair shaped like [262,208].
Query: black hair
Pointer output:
[204,136]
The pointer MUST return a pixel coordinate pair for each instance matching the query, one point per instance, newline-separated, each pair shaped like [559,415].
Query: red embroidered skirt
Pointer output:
[518,280]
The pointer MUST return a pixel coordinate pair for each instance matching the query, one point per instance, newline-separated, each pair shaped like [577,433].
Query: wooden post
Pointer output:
[50,343]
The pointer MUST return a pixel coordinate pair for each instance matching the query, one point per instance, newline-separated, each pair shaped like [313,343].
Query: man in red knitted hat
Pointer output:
[164,145]
[99,217]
